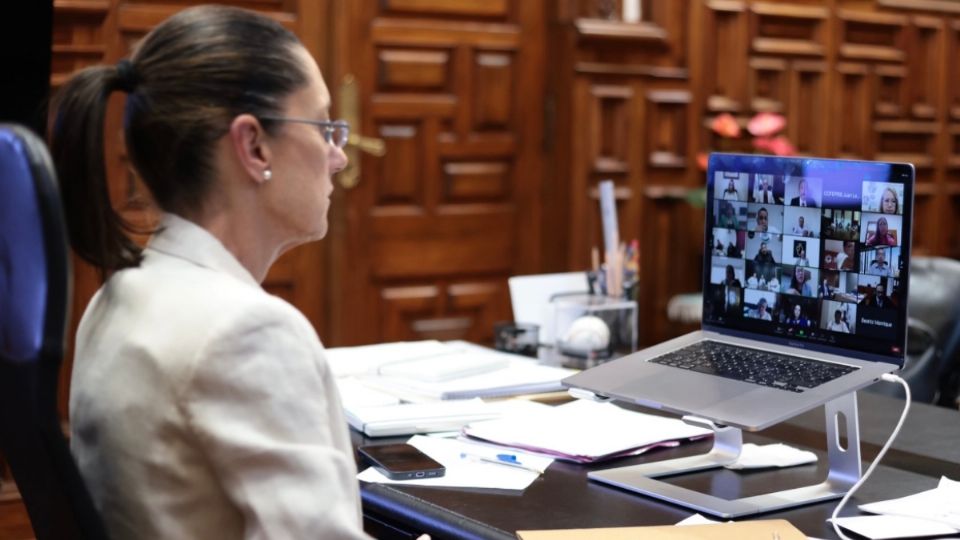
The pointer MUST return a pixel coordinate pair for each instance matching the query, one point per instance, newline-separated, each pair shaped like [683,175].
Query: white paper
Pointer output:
[444,367]
[367,359]
[631,11]
[698,519]
[520,376]
[753,456]
[462,472]
[582,429]
[941,504]
[356,395]
[884,527]
[409,418]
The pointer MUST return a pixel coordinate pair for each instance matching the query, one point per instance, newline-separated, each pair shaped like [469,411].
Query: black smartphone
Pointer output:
[401,461]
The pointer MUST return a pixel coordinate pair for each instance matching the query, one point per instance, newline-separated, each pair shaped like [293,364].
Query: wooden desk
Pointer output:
[564,498]
[928,444]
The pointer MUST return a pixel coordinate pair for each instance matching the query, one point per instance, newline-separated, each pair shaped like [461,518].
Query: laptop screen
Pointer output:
[813,253]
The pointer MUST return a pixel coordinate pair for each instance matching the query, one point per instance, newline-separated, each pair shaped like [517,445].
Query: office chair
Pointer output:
[932,367]
[34,297]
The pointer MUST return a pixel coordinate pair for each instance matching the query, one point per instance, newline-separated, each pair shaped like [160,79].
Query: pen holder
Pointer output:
[595,327]
[517,338]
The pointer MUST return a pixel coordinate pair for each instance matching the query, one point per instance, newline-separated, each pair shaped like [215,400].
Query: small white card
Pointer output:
[753,456]
[885,527]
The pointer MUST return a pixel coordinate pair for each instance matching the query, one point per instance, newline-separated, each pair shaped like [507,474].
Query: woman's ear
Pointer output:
[251,148]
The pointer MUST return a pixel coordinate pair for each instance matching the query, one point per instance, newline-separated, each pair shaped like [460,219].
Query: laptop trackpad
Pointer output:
[678,389]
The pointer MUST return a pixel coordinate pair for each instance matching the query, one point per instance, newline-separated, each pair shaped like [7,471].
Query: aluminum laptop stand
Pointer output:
[727,443]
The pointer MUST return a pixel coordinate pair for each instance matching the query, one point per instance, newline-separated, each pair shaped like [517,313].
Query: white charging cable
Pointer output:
[889,377]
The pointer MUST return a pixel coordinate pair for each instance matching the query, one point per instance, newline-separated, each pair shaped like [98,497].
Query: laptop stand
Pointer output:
[727,443]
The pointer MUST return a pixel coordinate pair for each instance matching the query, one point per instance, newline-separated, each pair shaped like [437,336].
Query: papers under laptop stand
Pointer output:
[843,473]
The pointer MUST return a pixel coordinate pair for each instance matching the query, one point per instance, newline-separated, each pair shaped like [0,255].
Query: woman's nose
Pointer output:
[339,160]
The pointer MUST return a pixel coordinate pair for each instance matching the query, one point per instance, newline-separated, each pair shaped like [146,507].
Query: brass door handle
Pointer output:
[370,145]
[350,111]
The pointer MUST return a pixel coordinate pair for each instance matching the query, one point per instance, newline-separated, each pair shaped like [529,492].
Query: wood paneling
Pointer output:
[456,95]
[854,79]
[500,117]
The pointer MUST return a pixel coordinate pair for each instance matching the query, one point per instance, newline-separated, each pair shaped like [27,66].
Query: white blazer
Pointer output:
[203,407]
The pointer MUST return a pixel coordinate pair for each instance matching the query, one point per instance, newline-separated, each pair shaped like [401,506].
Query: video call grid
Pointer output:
[785,250]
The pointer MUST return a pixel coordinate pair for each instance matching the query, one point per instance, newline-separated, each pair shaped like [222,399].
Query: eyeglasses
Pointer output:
[335,132]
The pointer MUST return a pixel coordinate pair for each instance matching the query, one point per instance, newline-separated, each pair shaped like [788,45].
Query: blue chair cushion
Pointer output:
[23,285]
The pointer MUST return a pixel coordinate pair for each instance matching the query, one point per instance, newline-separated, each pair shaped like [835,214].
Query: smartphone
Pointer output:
[401,461]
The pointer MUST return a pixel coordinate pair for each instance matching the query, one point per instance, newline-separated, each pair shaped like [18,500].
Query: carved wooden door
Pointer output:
[422,245]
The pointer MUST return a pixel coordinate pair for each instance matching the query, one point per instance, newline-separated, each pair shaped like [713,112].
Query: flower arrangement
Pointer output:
[764,127]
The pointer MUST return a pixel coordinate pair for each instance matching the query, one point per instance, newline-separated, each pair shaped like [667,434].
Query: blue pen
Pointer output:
[502,459]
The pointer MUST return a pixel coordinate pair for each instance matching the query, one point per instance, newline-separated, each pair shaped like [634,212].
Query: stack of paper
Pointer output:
[410,418]
[369,359]
[462,472]
[928,513]
[422,371]
[584,431]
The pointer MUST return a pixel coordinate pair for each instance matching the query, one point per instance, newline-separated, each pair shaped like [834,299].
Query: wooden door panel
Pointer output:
[464,310]
[444,211]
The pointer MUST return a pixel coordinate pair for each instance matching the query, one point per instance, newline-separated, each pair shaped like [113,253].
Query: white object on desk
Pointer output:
[410,418]
[521,375]
[356,395]
[587,333]
[369,359]
[886,527]
[531,298]
[941,504]
[583,431]
[754,456]
[455,364]
[465,473]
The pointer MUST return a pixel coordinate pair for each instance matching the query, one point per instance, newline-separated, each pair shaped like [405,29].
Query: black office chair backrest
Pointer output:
[34,299]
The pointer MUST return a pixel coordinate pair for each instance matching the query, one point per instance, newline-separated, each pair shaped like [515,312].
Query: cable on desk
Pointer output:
[889,377]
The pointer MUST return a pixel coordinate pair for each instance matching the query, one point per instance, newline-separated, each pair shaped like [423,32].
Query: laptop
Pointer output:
[805,280]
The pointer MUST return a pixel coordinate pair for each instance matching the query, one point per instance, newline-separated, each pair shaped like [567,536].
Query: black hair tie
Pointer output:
[126,76]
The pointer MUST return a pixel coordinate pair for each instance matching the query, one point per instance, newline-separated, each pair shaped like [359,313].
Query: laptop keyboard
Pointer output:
[753,366]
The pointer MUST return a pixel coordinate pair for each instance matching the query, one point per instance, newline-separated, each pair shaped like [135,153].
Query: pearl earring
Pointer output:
[267,174]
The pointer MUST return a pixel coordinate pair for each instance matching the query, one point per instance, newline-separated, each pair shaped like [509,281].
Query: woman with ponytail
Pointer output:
[201,406]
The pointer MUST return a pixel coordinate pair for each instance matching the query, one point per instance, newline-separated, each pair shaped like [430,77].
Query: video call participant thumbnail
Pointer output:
[803,192]
[881,230]
[882,197]
[765,218]
[839,255]
[730,215]
[731,186]
[728,242]
[759,304]
[766,189]
[880,261]
[800,281]
[875,292]
[838,317]
[876,313]
[840,224]
[799,312]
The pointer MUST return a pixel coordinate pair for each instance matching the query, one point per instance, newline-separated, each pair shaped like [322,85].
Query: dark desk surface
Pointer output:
[928,444]
[564,498]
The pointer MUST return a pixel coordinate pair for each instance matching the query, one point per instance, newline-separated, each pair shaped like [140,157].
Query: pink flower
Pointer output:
[780,146]
[702,160]
[725,125]
[766,124]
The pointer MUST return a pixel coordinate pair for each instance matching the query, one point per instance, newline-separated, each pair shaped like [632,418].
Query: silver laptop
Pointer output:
[805,280]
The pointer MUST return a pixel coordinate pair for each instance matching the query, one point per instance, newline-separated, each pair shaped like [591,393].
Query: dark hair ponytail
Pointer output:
[97,231]
[187,80]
